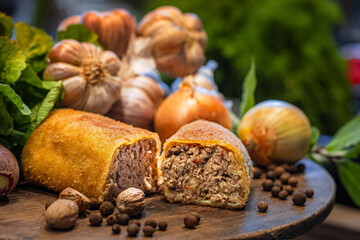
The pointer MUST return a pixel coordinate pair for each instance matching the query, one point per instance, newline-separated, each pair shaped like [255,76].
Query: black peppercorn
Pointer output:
[106,208]
[292,181]
[270,175]
[111,220]
[190,221]
[123,219]
[151,222]
[278,171]
[257,172]
[133,229]
[300,168]
[267,184]
[49,203]
[116,228]
[94,204]
[275,191]
[283,194]
[289,189]
[285,177]
[137,222]
[162,225]
[299,198]
[95,219]
[262,206]
[148,231]
[309,193]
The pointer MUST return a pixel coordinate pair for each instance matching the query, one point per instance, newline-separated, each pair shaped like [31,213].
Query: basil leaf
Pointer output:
[315,134]
[348,135]
[6,121]
[6,25]
[80,33]
[8,92]
[248,93]
[12,61]
[349,173]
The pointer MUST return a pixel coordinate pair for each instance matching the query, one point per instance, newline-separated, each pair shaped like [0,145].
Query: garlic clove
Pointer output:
[67,51]
[172,42]
[59,70]
[110,62]
[90,51]
[68,21]
[74,89]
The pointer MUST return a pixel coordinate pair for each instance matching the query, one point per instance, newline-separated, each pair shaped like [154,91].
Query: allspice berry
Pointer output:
[285,177]
[275,191]
[278,183]
[151,222]
[123,219]
[95,219]
[111,219]
[278,171]
[289,189]
[137,222]
[190,221]
[262,206]
[162,225]
[256,172]
[116,229]
[267,184]
[94,204]
[299,198]
[292,168]
[106,208]
[283,194]
[300,168]
[197,217]
[271,167]
[292,181]
[270,175]
[309,193]
[148,231]
[133,229]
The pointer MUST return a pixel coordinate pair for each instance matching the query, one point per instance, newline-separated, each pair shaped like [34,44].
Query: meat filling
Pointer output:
[133,166]
[202,174]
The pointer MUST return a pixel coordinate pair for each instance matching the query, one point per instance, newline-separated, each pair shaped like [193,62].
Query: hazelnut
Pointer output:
[80,199]
[95,219]
[116,228]
[292,181]
[278,171]
[299,198]
[262,206]
[267,184]
[151,222]
[285,177]
[123,219]
[309,193]
[190,221]
[162,225]
[106,208]
[256,172]
[131,201]
[62,214]
[133,230]
[148,231]
[275,191]
[283,194]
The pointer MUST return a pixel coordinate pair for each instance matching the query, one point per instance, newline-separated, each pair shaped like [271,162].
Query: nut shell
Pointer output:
[80,199]
[62,214]
[131,201]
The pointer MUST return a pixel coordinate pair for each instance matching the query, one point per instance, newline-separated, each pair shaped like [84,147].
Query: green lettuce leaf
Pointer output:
[35,44]
[347,136]
[10,94]
[6,121]
[6,25]
[248,91]
[12,61]
[80,33]
[349,173]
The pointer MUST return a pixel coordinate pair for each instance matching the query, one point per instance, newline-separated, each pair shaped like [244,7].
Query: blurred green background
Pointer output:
[297,57]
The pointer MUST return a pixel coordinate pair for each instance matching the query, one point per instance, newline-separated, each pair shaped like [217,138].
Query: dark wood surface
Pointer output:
[21,215]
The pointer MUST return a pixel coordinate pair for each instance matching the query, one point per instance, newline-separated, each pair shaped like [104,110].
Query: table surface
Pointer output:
[22,214]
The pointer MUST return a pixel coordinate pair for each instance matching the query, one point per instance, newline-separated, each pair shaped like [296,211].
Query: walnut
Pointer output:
[80,199]
[131,201]
[62,214]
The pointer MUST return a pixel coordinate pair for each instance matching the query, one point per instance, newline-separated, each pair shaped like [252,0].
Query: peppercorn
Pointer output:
[309,193]
[151,222]
[299,198]
[267,184]
[148,231]
[163,225]
[190,221]
[275,191]
[197,217]
[94,204]
[116,228]
[133,229]
[278,171]
[137,222]
[262,206]
[271,167]
[286,167]
[49,203]
[283,194]
[123,219]
[257,172]
[300,168]
[285,177]
[292,168]
[289,189]
[270,175]
[111,219]
[95,219]
[106,208]
[292,181]
[277,182]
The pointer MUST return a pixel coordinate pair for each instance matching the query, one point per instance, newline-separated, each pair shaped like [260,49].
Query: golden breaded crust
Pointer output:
[75,149]
[208,133]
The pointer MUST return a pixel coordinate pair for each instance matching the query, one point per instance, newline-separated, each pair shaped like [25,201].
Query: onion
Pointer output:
[9,171]
[186,105]
[275,132]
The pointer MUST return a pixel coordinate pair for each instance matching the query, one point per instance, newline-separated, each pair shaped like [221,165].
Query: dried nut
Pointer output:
[95,219]
[151,222]
[116,229]
[299,198]
[133,230]
[292,181]
[267,184]
[49,203]
[106,208]
[62,214]
[148,231]
[275,191]
[283,194]
[190,221]
[80,199]
[309,193]
[131,201]
[278,171]
[162,225]
[256,172]
[262,206]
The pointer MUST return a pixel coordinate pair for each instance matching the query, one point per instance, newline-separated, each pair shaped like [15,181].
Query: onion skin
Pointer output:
[275,132]
[187,105]
[9,171]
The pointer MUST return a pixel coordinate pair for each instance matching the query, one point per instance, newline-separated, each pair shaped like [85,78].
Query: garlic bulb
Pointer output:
[178,40]
[89,75]
[186,105]
[116,29]
[275,132]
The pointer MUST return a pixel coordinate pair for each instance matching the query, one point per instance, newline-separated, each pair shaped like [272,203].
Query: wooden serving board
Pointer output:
[21,215]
